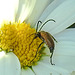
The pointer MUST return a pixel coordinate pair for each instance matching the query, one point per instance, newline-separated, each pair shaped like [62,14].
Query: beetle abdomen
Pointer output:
[48,40]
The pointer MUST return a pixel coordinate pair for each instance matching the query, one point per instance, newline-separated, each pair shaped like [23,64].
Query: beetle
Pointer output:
[46,37]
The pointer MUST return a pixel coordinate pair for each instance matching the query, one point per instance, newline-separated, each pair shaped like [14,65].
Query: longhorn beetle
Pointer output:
[46,37]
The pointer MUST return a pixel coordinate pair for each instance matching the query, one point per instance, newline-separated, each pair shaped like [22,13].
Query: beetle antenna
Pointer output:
[37,25]
[46,22]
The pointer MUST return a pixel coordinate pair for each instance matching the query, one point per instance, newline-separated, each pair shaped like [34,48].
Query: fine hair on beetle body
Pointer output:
[46,38]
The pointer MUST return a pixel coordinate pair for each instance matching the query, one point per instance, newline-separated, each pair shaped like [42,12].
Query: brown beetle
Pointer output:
[46,37]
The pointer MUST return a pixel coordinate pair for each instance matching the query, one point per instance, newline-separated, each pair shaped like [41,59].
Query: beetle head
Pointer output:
[37,34]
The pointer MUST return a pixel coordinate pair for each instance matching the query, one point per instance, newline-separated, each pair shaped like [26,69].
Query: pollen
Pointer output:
[17,37]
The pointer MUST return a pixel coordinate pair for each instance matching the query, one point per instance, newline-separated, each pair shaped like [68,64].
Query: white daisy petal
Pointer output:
[64,53]
[25,9]
[65,48]
[37,11]
[8,9]
[66,35]
[66,42]
[27,71]
[54,68]
[66,62]
[9,64]
[45,68]
[50,8]
[64,15]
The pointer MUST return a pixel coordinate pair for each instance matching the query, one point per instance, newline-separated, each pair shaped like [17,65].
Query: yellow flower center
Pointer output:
[17,38]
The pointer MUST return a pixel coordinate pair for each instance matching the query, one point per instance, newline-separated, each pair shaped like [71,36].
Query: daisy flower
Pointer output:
[18,50]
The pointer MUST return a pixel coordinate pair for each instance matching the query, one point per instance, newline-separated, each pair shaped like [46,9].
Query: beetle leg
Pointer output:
[51,59]
[37,50]
[33,40]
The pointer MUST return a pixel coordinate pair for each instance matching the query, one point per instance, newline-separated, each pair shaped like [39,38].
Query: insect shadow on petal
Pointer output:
[46,37]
